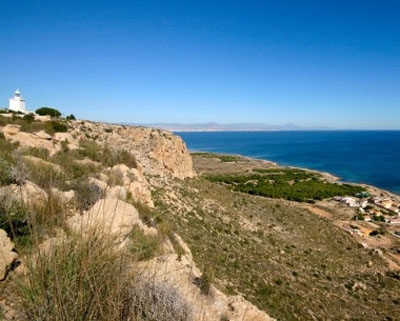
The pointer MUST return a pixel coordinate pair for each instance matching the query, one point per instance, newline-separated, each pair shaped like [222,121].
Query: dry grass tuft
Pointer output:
[77,279]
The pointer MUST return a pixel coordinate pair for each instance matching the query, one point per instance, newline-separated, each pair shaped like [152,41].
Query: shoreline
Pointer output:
[326,175]
[361,157]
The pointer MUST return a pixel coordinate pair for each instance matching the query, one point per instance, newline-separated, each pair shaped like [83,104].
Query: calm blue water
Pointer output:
[371,157]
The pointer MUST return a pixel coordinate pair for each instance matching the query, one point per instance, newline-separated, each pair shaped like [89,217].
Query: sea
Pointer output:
[370,157]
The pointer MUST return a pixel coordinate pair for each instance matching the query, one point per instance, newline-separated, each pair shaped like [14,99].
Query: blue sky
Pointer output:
[311,63]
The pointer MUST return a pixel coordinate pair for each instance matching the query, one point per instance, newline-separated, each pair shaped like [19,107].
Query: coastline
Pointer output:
[325,175]
[361,157]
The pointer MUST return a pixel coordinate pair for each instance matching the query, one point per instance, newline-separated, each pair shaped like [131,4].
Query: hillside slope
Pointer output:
[296,261]
[77,201]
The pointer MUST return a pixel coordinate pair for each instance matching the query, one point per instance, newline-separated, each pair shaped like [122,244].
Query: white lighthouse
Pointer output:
[17,103]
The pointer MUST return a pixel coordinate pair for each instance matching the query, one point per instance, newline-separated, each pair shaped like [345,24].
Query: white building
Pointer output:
[17,103]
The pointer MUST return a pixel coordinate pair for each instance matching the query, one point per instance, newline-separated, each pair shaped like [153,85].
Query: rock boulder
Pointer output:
[7,255]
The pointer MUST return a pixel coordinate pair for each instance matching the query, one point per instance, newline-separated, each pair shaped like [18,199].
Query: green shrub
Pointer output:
[5,172]
[45,175]
[147,215]
[291,184]
[29,118]
[48,111]
[70,117]
[33,127]
[13,215]
[59,127]
[49,127]
[46,215]
[127,158]
[108,157]
[12,167]
[143,247]
[377,232]
[91,150]
[42,153]
[6,147]
[378,218]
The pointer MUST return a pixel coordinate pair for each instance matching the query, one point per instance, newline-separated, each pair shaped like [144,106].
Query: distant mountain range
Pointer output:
[214,127]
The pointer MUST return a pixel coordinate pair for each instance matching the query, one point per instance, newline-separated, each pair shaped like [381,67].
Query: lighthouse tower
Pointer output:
[17,103]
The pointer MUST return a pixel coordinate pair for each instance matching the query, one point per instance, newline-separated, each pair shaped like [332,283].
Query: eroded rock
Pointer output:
[7,254]
[114,217]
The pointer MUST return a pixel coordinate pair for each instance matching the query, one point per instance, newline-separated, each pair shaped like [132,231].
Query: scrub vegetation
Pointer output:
[286,183]
[283,258]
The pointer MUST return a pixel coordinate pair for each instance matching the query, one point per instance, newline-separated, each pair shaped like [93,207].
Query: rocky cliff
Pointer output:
[158,152]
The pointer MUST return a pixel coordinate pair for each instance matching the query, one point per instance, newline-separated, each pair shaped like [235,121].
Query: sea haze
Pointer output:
[371,157]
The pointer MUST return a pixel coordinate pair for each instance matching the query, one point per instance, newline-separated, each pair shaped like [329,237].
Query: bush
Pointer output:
[46,215]
[127,158]
[70,117]
[86,194]
[205,280]
[5,172]
[29,118]
[49,127]
[143,247]
[38,152]
[12,168]
[152,301]
[13,215]
[378,218]
[59,127]
[48,111]
[19,172]
[108,157]
[44,175]
[377,232]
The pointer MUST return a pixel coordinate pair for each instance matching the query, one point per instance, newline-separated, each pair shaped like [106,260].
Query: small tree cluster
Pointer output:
[48,111]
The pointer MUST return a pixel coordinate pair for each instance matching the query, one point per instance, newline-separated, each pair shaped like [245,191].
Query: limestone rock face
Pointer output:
[113,216]
[7,255]
[159,152]
[39,139]
[28,192]
[66,137]
[135,183]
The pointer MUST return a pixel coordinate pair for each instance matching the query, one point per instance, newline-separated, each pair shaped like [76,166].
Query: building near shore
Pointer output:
[17,103]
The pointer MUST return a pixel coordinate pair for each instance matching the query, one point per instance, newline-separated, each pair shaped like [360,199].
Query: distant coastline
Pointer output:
[361,157]
[241,127]
[231,127]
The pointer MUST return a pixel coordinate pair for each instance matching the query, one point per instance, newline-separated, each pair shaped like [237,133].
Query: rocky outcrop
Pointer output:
[7,255]
[134,182]
[112,216]
[39,139]
[27,193]
[159,152]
